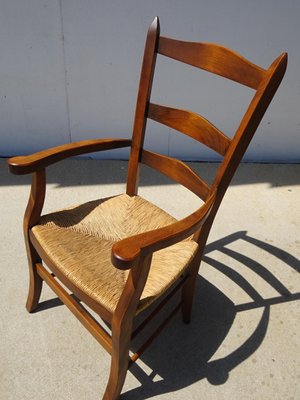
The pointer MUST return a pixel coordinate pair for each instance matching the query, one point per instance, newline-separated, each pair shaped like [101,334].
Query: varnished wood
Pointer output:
[250,121]
[122,326]
[36,199]
[213,58]
[31,217]
[90,324]
[188,289]
[178,171]
[127,251]
[143,97]
[26,164]
[238,146]
[135,253]
[191,124]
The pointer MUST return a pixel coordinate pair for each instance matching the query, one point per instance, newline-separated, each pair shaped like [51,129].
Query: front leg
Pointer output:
[31,217]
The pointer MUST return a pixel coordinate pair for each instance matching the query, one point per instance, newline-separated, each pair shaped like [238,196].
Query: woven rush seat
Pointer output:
[79,240]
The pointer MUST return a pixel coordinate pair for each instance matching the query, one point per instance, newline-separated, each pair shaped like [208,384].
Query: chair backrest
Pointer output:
[218,60]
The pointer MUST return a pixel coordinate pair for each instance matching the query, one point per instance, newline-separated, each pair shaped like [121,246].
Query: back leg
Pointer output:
[188,289]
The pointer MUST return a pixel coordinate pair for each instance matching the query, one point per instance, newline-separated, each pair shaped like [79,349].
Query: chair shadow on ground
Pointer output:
[181,355]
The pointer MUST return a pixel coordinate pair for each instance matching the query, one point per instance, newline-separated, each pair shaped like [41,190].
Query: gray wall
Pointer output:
[69,70]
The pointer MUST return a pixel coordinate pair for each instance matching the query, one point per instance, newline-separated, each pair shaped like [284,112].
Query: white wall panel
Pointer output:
[70,69]
[33,112]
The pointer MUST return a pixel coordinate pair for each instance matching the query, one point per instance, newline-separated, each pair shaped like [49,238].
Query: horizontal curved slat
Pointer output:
[213,58]
[176,170]
[191,124]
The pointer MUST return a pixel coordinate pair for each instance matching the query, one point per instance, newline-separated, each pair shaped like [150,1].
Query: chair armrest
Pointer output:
[127,251]
[21,165]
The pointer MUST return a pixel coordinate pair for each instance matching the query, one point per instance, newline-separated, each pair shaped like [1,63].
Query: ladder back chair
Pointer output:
[121,254]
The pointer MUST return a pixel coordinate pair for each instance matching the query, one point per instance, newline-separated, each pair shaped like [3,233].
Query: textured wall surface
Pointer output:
[69,70]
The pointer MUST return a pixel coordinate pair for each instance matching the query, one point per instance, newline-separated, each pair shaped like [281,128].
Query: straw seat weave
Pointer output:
[78,241]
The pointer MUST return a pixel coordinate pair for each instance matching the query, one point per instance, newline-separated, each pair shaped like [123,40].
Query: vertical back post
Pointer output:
[143,97]
[242,138]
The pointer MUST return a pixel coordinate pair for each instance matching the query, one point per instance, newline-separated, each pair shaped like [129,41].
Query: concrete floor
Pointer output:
[243,342]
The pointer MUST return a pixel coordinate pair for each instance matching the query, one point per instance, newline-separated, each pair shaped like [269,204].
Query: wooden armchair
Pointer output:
[121,254]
